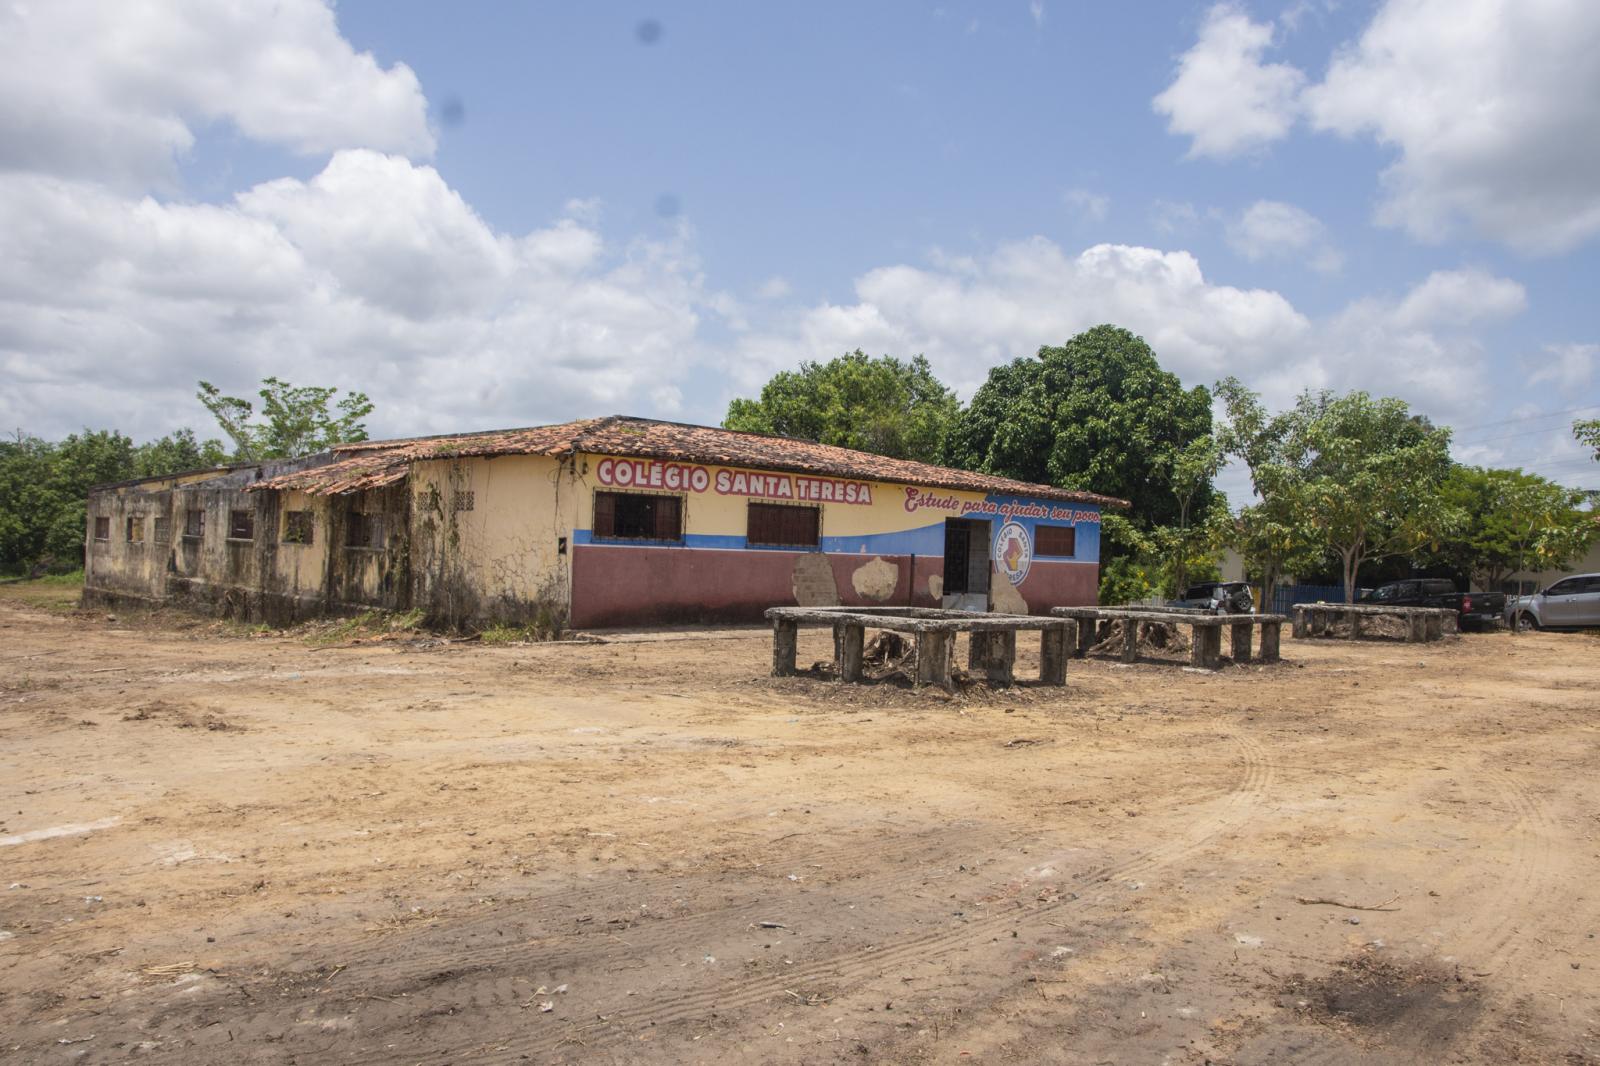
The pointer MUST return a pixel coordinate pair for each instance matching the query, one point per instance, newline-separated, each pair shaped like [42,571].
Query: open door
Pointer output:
[966,564]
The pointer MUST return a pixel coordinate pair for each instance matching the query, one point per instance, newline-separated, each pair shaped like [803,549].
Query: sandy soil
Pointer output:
[216,848]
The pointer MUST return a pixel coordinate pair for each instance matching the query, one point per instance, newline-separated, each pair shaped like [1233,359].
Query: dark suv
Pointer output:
[1472,608]
[1218,597]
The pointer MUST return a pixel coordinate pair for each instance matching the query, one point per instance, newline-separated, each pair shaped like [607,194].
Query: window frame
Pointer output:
[293,519]
[612,537]
[102,522]
[369,522]
[162,534]
[194,523]
[1038,544]
[750,541]
[133,525]
[234,525]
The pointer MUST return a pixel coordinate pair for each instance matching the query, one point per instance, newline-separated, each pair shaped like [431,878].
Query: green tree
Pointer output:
[1194,467]
[43,491]
[296,420]
[1273,534]
[881,405]
[1097,413]
[1511,521]
[1588,433]
[1370,473]
[176,452]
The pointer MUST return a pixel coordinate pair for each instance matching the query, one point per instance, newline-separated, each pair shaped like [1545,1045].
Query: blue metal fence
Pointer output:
[1286,596]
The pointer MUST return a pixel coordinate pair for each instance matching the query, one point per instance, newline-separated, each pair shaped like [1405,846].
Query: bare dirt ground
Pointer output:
[217,848]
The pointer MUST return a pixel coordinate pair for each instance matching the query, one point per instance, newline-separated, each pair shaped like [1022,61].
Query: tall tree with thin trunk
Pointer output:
[1371,472]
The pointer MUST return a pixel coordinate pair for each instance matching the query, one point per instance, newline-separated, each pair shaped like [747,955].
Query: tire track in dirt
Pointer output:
[854,968]
[1488,949]
[627,895]
[1530,865]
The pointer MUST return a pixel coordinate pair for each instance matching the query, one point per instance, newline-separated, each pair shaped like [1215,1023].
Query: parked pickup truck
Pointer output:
[1573,601]
[1473,608]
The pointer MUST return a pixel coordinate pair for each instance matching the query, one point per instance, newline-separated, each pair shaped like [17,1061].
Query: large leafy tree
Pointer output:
[883,405]
[43,489]
[296,420]
[1510,521]
[1097,413]
[1369,475]
[1273,534]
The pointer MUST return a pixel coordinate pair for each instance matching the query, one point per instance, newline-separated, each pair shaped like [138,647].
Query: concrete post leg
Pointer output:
[1416,629]
[848,640]
[1130,640]
[1435,626]
[1354,618]
[1269,641]
[978,651]
[1003,668]
[933,657]
[1205,645]
[1300,630]
[1085,637]
[1239,642]
[1054,648]
[785,636]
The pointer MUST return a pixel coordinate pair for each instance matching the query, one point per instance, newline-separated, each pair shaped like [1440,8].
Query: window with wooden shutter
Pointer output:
[1055,540]
[637,516]
[102,527]
[779,525]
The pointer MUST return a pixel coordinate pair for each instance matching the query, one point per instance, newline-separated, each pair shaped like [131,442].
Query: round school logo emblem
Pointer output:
[1013,552]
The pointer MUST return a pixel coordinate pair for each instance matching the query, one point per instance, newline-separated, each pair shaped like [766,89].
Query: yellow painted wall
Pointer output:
[501,558]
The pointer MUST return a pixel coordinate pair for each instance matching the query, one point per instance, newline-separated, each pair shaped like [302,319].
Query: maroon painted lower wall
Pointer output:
[618,585]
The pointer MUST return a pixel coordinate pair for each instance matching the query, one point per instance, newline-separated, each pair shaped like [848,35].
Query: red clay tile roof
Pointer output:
[372,464]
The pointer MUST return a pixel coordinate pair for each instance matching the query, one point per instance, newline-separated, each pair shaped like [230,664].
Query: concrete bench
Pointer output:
[1205,631]
[993,651]
[1420,623]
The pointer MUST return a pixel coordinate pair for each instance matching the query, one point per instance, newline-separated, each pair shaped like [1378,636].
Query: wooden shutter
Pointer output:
[1055,540]
[668,515]
[605,514]
[800,526]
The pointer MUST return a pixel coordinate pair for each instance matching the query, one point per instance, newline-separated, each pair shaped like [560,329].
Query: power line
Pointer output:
[1531,416]
[1512,436]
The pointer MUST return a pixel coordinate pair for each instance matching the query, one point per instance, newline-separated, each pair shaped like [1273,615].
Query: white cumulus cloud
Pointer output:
[1491,106]
[1271,229]
[1224,97]
[373,274]
[114,92]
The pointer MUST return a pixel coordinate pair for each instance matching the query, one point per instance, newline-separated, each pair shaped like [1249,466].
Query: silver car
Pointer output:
[1572,602]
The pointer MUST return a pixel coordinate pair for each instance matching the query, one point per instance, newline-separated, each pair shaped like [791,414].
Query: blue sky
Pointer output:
[502,214]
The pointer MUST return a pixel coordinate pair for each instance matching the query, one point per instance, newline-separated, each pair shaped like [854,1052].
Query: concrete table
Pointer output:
[993,651]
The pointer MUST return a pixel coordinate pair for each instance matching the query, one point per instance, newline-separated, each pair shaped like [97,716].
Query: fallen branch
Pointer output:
[1316,901]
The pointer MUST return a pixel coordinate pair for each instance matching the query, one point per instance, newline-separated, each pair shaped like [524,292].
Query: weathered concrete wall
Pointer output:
[255,578]
[492,539]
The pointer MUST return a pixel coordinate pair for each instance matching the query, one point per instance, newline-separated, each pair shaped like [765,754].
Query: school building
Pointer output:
[601,522]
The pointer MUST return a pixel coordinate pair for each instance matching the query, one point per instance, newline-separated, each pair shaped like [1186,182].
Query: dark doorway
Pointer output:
[966,563]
